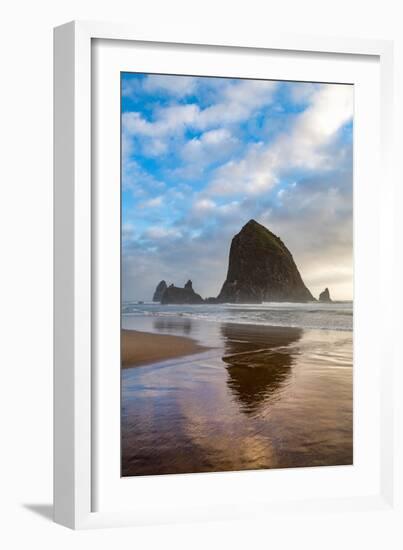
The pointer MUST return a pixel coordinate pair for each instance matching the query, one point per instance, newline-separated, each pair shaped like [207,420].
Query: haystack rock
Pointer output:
[176,295]
[159,291]
[262,269]
[325,296]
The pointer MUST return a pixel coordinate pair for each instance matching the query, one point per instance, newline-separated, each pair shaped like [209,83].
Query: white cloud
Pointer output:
[204,209]
[128,232]
[211,146]
[215,137]
[229,103]
[303,147]
[237,102]
[229,209]
[174,85]
[138,181]
[169,120]
[331,108]
[204,205]
[250,175]
[159,232]
[154,147]
[301,92]
[153,203]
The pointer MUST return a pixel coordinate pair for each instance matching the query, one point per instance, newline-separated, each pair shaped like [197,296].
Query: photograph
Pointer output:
[236,274]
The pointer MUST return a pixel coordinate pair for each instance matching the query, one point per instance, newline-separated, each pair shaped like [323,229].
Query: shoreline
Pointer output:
[217,404]
[142,348]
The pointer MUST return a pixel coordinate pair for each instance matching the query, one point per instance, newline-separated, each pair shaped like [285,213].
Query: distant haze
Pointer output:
[201,156]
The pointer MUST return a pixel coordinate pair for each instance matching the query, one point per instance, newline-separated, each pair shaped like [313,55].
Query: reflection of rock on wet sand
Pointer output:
[259,361]
[175,324]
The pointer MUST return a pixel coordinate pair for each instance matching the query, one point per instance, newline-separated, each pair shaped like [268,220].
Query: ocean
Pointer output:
[312,315]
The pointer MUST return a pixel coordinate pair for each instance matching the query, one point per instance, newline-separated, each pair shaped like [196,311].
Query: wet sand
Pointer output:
[140,348]
[261,397]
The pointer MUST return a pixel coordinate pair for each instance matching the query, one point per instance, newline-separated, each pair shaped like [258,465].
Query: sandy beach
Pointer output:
[141,348]
[262,397]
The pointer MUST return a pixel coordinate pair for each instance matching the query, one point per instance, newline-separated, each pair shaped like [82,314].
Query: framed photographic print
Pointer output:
[219,235]
[257,372]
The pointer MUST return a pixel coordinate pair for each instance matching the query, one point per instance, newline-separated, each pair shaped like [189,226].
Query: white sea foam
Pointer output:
[313,315]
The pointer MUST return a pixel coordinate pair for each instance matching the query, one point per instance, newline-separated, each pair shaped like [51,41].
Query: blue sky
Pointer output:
[201,156]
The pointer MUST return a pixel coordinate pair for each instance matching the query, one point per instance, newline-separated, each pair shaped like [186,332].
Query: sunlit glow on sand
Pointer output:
[263,397]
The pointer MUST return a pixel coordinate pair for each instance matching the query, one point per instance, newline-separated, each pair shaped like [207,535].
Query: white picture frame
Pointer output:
[77,422]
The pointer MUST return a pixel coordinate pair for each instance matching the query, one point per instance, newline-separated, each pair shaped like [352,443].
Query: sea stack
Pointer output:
[261,269]
[159,291]
[176,295]
[325,296]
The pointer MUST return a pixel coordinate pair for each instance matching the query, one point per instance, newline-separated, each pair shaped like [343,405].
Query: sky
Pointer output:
[202,156]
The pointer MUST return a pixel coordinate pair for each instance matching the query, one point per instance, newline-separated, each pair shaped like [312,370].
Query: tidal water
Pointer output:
[262,396]
[316,315]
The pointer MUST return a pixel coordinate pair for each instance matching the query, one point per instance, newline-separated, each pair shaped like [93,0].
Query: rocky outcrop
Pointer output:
[325,296]
[176,295]
[262,269]
[159,291]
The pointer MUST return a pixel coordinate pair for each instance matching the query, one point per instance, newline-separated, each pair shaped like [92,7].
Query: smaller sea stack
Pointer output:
[325,296]
[177,295]
[159,291]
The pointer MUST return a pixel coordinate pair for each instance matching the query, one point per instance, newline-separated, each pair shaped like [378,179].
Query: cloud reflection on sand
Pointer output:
[265,397]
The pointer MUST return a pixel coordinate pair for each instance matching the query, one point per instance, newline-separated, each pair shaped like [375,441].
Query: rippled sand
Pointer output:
[264,397]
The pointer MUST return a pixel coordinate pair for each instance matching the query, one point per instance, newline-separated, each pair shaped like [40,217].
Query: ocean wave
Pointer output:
[335,316]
